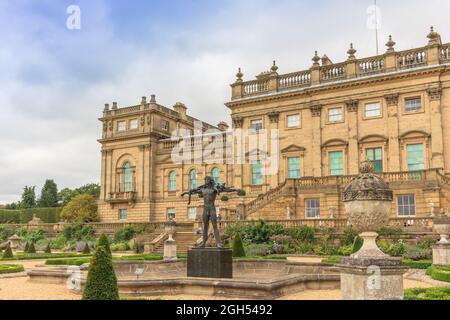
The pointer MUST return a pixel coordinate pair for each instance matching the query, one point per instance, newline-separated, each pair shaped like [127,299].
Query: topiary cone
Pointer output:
[48,249]
[86,249]
[27,246]
[101,283]
[103,241]
[8,252]
[31,248]
[238,247]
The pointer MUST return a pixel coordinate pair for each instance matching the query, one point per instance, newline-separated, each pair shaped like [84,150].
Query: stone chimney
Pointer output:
[152,98]
[181,109]
[223,126]
[114,106]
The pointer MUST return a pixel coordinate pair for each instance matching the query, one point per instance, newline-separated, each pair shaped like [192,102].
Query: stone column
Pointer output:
[437,145]
[316,112]
[393,132]
[238,152]
[353,153]
[274,180]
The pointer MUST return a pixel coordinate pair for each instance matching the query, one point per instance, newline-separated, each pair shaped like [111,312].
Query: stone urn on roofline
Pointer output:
[369,274]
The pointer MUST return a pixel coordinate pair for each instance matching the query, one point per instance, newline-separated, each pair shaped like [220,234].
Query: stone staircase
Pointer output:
[184,239]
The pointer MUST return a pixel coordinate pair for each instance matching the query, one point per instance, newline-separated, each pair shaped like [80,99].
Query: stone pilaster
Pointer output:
[274,118]
[393,132]
[353,154]
[437,144]
[238,152]
[316,112]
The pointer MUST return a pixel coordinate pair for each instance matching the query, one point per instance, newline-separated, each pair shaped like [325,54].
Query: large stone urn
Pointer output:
[369,274]
[441,251]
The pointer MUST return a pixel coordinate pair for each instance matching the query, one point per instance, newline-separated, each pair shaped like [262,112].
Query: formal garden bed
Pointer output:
[428,294]
[439,273]
[11,268]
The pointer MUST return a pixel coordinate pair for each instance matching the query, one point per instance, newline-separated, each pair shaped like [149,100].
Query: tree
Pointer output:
[82,208]
[101,283]
[103,241]
[238,247]
[28,198]
[8,252]
[66,194]
[31,248]
[49,195]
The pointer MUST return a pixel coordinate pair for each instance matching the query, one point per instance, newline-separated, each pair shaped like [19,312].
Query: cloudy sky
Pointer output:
[54,81]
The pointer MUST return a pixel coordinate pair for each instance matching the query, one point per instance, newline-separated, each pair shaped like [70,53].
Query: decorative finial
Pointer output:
[316,59]
[366,167]
[434,37]
[351,52]
[390,44]
[239,75]
[274,67]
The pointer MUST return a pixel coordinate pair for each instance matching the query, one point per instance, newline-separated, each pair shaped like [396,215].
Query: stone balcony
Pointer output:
[122,197]
[270,82]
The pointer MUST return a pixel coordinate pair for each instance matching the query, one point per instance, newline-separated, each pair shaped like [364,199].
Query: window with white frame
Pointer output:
[294,168]
[165,125]
[335,115]
[192,213]
[172,181]
[413,104]
[121,126]
[312,207]
[293,121]
[406,205]
[134,124]
[372,110]
[256,124]
[123,214]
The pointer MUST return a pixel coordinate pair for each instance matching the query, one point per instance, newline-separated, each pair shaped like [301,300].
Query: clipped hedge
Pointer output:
[22,216]
[419,264]
[439,273]
[67,262]
[26,256]
[428,294]
[11,268]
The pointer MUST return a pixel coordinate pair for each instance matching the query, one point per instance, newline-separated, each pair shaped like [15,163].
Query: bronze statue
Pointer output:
[210,190]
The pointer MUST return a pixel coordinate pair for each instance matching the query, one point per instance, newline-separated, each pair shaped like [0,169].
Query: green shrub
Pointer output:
[8,252]
[238,247]
[325,250]
[31,248]
[67,262]
[349,237]
[103,241]
[48,249]
[101,283]
[419,264]
[259,232]
[79,232]
[11,268]
[257,250]
[426,243]
[241,193]
[345,250]
[27,247]
[397,249]
[224,199]
[357,244]
[428,294]
[121,246]
[303,234]
[304,248]
[124,235]
[416,253]
[5,233]
[439,273]
[30,235]
[332,260]
[390,232]
[59,242]
[86,249]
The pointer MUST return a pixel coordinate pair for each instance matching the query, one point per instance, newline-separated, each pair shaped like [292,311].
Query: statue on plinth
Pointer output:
[210,190]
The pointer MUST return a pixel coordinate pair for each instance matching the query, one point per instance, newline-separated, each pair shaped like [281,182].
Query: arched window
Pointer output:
[215,173]
[127,177]
[193,179]
[172,181]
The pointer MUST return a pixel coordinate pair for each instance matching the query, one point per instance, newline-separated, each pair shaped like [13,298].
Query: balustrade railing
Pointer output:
[333,72]
[294,80]
[256,86]
[412,58]
[445,53]
[371,65]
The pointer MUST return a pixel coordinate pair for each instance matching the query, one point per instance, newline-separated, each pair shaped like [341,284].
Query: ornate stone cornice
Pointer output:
[144,147]
[434,93]
[238,122]
[352,105]
[391,99]
[274,116]
[316,110]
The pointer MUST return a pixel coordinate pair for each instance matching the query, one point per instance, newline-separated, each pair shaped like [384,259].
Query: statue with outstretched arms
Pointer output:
[210,190]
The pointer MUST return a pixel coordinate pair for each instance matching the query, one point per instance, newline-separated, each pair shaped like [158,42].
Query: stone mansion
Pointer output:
[393,109]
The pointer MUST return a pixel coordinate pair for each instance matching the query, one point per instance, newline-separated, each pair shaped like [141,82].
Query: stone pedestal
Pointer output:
[441,254]
[14,242]
[372,278]
[214,263]
[170,250]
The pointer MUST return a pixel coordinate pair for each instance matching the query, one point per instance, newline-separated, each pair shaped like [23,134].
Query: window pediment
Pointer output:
[334,142]
[373,138]
[293,148]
